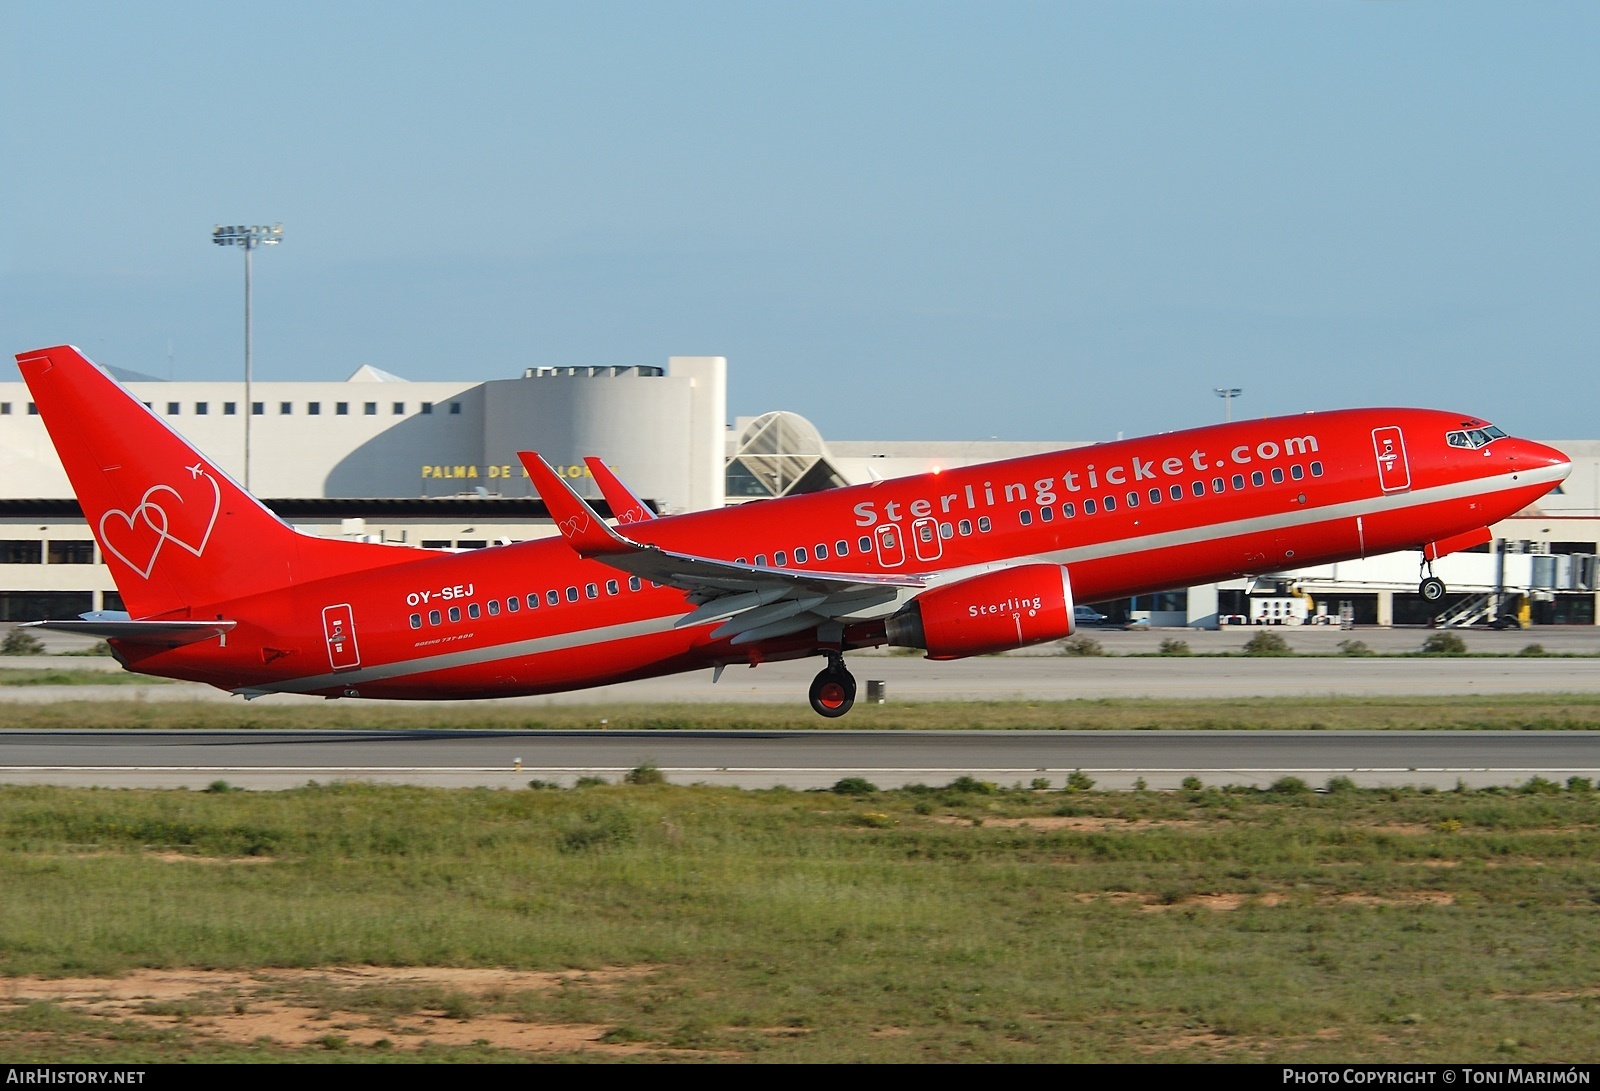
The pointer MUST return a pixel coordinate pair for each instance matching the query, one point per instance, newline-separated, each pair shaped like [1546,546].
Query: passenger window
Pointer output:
[864,544]
[821,551]
[1176,492]
[494,607]
[1088,506]
[1198,488]
[455,613]
[965,526]
[572,594]
[761,560]
[554,597]
[1068,511]
[1025,516]
[591,591]
[416,621]
[513,604]
[1133,500]
[780,559]
[1218,485]
[633,583]
[1258,479]
[841,547]
[433,617]
[1155,496]
[948,531]
[1277,475]
[1110,503]
[1316,469]
[473,611]
[612,587]
[984,524]
[1238,482]
[799,554]
[1045,515]
[1297,471]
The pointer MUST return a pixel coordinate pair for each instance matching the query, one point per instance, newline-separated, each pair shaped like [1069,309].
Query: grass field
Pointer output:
[1512,712]
[72,676]
[961,923]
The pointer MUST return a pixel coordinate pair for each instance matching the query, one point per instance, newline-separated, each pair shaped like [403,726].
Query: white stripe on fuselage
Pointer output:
[582,638]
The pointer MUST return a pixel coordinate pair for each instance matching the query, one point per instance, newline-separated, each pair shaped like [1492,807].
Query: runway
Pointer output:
[268,760]
[1006,678]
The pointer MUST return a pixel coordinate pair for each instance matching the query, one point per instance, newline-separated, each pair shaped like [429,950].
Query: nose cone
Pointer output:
[1546,462]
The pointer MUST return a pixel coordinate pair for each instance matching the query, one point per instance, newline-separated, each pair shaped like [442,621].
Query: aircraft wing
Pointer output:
[756,603]
[627,507]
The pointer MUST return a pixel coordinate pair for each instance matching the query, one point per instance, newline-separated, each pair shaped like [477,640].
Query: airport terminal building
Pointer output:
[434,465]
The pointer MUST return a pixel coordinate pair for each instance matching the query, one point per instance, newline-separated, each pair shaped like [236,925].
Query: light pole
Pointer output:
[247,238]
[1227,394]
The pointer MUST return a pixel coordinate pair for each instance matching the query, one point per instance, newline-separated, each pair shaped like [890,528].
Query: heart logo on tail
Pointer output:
[163,515]
[134,539]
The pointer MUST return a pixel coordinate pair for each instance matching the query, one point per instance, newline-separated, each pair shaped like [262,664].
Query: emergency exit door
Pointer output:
[339,627]
[1394,474]
[891,546]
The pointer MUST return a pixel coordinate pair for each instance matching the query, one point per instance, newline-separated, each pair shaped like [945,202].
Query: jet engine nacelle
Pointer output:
[995,612]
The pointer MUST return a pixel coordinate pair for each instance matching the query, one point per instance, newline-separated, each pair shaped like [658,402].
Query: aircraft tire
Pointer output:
[1431,589]
[833,692]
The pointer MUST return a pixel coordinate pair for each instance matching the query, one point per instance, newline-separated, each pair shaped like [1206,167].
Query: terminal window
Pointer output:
[314,408]
[258,409]
[172,409]
[371,409]
[72,551]
[202,408]
[342,408]
[399,409]
[21,551]
[427,407]
[285,408]
[5,409]
[455,408]
[230,409]
[33,410]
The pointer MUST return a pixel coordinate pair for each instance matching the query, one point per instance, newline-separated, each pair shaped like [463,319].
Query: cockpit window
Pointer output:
[1473,438]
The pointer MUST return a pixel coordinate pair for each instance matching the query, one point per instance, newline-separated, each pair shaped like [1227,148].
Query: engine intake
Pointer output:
[995,612]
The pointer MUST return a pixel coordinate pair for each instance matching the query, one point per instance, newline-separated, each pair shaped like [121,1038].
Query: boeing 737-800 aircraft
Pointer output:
[966,562]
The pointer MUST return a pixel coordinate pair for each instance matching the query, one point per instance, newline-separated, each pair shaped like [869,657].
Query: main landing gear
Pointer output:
[833,691]
[1432,587]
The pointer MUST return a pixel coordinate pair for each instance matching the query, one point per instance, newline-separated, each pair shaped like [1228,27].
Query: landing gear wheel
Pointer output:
[833,691]
[1431,589]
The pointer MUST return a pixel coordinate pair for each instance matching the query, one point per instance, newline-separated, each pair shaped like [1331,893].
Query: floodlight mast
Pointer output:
[247,239]
[1227,394]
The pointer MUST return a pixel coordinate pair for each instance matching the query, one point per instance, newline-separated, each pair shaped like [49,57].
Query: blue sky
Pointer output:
[950,221]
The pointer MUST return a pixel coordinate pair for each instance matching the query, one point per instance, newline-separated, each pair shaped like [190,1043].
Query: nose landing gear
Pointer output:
[833,691]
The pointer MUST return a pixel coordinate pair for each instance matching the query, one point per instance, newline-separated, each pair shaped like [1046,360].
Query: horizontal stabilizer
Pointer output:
[159,634]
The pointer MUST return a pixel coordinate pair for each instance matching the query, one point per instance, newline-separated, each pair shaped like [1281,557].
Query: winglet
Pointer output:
[627,507]
[584,531]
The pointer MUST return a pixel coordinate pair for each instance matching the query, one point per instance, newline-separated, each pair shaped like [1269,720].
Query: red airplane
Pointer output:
[965,562]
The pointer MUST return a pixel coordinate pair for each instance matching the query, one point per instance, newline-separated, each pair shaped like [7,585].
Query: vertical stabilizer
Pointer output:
[177,533]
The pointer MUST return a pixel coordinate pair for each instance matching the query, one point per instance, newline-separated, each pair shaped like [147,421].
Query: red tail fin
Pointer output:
[175,530]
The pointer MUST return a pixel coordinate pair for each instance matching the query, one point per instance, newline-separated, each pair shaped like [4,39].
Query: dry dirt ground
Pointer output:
[299,1008]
